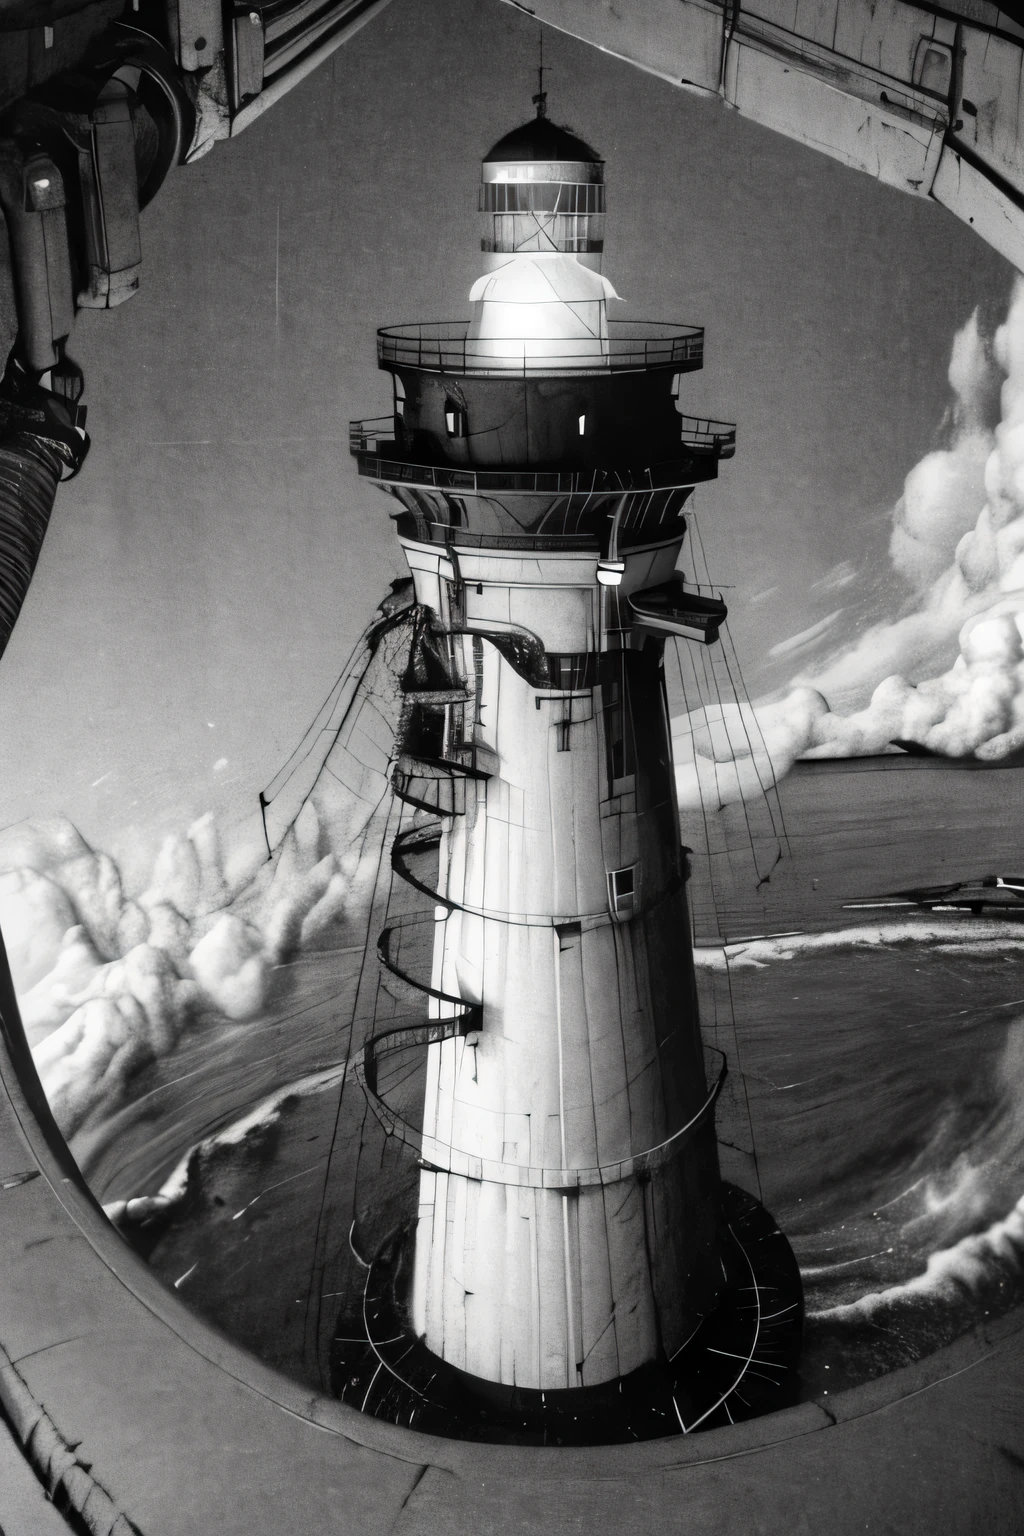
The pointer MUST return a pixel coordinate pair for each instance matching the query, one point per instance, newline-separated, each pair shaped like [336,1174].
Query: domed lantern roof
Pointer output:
[543,191]
[541,139]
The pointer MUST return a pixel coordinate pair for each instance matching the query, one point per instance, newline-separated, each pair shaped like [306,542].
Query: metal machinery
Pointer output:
[97,103]
[576,1271]
[922,96]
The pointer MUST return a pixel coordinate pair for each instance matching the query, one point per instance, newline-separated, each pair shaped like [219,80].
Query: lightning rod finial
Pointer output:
[540,101]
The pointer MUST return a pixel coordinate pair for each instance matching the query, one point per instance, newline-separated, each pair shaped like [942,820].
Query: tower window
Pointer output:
[583,425]
[622,892]
[573,672]
[617,731]
[455,419]
[933,67]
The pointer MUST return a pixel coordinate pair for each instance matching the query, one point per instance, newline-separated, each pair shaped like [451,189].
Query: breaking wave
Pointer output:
[187,1176]
[956,1231]
[969,937]
[922,1244]
[971,1265]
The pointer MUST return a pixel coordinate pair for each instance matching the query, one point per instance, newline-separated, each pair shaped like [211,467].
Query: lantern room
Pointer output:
[543,191]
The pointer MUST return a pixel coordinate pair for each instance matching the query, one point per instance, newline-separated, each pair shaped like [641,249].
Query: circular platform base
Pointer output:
[741,1361]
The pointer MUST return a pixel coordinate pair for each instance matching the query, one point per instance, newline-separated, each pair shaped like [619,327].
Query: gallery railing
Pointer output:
[445,346]
[379,436]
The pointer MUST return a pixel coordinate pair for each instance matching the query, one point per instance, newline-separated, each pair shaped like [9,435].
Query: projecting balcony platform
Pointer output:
[378,438]
[673,608]
[631,346]
[692,458]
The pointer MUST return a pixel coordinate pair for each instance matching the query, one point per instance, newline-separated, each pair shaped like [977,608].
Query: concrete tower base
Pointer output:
[740,1361]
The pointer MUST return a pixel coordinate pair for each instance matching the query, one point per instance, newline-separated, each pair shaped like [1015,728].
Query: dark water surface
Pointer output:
[876,1089]
[219,1072]
[883,1062]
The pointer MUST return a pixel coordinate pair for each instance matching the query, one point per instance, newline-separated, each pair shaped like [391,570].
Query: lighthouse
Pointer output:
[574,1270]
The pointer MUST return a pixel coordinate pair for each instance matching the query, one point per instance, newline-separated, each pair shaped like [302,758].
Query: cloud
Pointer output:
[806,636]
[107,983]
[944,493]
[949,674]
[107,980]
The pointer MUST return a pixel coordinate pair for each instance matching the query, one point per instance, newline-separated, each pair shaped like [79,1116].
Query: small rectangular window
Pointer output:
[933,67]
[562,671]
[617,729]
[572,672]
[455,420]
[622,892]
[583,426]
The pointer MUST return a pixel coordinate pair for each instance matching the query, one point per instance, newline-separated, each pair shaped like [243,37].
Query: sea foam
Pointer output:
[967,935]
[965,1267]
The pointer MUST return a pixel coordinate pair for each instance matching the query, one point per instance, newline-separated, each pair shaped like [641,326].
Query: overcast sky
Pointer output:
[204,579]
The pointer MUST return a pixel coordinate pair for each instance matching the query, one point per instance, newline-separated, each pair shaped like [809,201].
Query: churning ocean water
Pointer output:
[886,1096]
[876,1060]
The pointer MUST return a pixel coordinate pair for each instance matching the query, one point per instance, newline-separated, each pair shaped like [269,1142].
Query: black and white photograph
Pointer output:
[511,767]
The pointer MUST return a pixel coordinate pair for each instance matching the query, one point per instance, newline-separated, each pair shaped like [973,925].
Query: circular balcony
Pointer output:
[693,457]
[631,346]
[393,1057]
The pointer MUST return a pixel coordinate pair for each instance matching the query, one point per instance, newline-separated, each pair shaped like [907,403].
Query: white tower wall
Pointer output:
[515,1280]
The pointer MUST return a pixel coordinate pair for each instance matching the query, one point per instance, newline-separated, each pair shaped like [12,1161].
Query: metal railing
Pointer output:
[424,790]
[405,947]
[700,434]
[437,783]
[444,1157]
[542,482]
[408,844]
[373,435]
[530,481]
[445,533]
[444,346]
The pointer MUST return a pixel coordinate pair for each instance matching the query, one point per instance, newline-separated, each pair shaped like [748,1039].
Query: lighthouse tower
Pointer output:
[575,1269]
